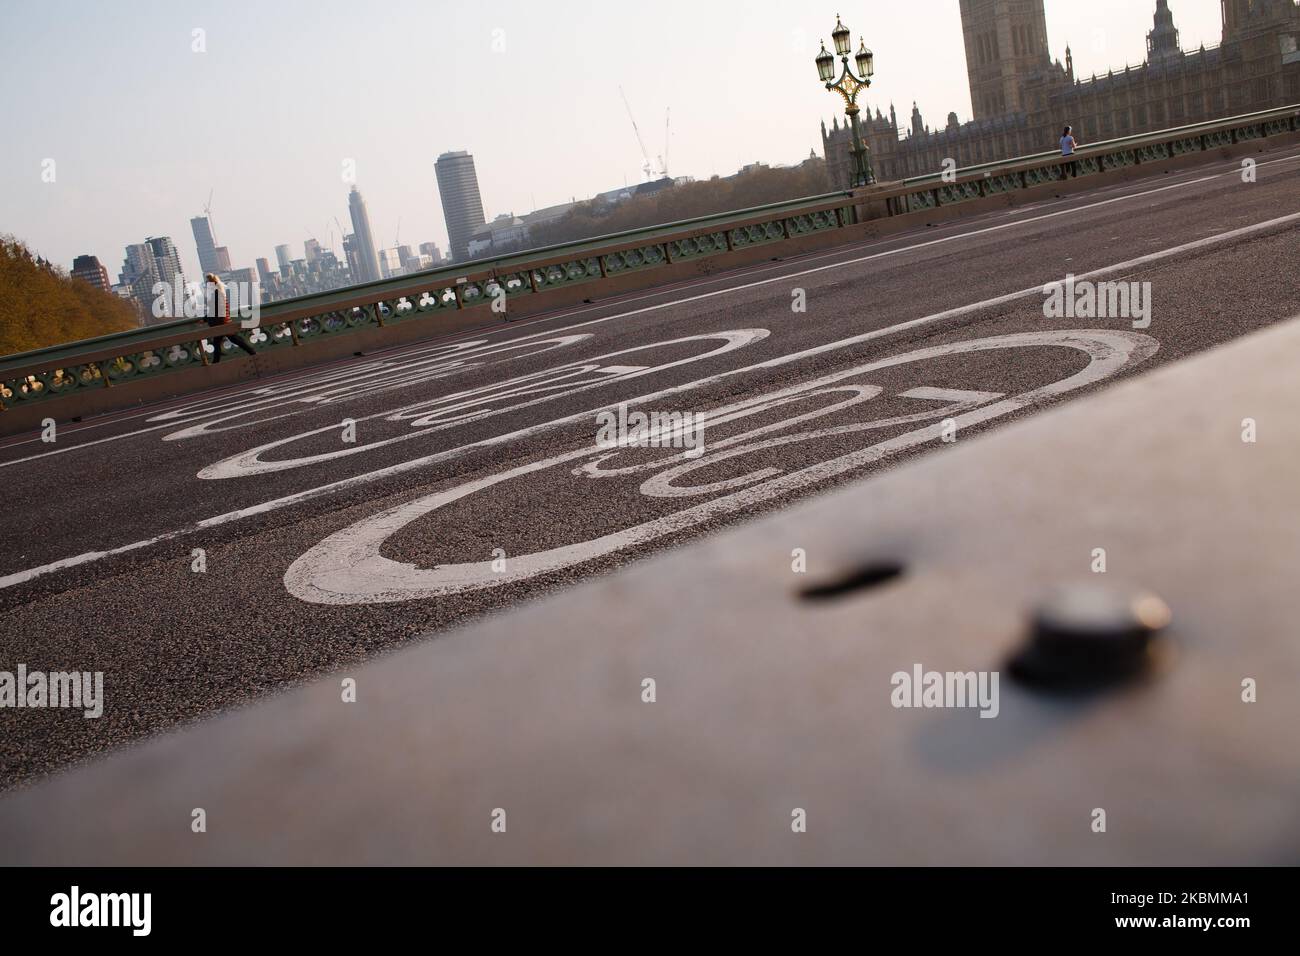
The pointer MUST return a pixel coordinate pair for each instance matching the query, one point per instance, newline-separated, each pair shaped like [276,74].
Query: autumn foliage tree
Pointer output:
[40,304]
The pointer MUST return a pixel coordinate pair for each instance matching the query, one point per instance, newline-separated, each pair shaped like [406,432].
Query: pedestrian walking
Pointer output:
[1068,146]
[219,314]
[1068,143]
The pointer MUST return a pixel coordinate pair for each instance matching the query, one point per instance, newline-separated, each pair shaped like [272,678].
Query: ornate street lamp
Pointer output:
[848,86]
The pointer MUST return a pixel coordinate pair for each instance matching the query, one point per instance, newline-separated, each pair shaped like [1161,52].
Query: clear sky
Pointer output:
[141,127]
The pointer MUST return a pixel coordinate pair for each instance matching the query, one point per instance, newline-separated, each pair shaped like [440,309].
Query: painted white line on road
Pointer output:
[684,300]
[430,414]
[472,401]
[20,577]
[249,462]
[348,568]
[320,383]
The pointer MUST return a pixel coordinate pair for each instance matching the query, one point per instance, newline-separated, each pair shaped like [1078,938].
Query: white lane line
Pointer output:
[348,568]
[320,381]
[482,402]
[248,459]
[694,298]
[19,577]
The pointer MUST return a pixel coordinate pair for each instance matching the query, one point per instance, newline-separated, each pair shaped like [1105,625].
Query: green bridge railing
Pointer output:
[122,358]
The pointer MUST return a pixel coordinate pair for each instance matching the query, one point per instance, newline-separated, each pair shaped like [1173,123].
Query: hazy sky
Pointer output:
[141,127]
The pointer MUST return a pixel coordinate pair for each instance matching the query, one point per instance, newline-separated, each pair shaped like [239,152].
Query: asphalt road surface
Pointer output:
[204,551]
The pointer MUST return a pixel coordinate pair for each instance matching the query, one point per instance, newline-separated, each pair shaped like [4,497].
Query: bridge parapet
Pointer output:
[168,359]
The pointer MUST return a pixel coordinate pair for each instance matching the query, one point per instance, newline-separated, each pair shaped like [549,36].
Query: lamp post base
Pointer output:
[862,174]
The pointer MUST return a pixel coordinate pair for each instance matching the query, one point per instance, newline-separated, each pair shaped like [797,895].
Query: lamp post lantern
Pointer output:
[848,86]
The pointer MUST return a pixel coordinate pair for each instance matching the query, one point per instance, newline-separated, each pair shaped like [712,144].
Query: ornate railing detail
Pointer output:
[1005,183]
[122,358]
[920,201]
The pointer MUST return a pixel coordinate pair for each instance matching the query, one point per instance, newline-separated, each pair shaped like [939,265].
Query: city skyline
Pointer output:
[292,187]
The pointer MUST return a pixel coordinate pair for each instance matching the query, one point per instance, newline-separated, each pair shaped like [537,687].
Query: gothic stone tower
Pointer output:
[1006,44]
[1243,18]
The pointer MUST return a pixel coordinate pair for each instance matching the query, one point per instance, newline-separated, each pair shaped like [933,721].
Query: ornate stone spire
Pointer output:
[1162,42]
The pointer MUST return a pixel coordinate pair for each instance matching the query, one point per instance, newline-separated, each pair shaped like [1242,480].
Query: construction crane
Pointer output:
[663,160]
[207,212]
[645,166]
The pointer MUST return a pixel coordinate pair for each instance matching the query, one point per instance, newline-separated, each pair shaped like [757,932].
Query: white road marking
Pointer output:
[20,577]
[248,462]
[347,567]
[426,412]
[784,276]
[258,396]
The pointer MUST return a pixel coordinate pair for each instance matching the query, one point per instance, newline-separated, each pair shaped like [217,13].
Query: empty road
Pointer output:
[204,551]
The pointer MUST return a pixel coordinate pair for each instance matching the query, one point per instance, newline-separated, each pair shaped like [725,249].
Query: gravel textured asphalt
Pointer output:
[489,440]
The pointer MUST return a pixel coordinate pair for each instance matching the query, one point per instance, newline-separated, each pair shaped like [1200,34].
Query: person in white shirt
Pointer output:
[1068,144]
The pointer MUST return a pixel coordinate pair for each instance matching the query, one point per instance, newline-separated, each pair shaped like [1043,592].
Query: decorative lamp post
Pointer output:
[848,86]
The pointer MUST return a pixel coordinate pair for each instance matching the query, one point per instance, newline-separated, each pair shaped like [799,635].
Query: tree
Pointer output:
[40,304]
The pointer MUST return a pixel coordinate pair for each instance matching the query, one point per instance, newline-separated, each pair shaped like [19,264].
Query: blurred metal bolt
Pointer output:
[1090,635]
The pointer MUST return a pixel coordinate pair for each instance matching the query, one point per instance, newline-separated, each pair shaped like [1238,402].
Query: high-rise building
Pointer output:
[312,248]
[367,267]
[167,262]
[430,249]
[462,206]
[137,264]
[206,243]
[390,263]
[149,262]
[282,259]
[247,277]
[264,273]
[350,254]
[90,269]
[167,259]
[222,255]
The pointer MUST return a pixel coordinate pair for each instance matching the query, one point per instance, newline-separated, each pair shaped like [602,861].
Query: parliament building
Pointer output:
[1022,99]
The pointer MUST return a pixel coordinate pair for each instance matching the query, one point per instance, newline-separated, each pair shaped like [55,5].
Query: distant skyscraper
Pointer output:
[137,278]
[90,269]
[222,255]
[462,207]
[264,272]
[367,269]
[312,248]
[282,258]
[430,249]
[138,263]
[154,260]
[390,263]
[350,253]
[246,276]
[206,244]
[167,261]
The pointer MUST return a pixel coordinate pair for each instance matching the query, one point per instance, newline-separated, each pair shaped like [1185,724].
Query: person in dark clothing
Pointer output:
[217,316]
